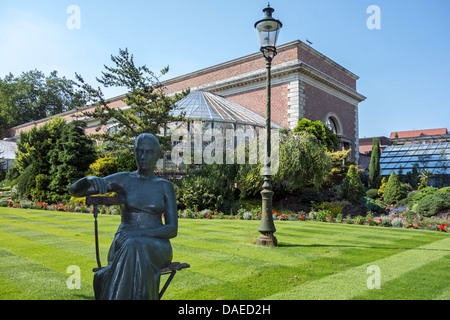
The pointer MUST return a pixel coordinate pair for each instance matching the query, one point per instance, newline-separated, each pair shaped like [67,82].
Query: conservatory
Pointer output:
[212,122]
[434,157]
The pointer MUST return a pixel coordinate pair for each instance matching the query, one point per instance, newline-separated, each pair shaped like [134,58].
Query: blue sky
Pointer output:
[404,66]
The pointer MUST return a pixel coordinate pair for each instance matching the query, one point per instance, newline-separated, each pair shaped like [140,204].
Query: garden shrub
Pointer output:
[360,220]
[372,205]
[102,167]
[198,191]
[419,195]
[333,207]
[372,193]
[433,203]
[352,188]
[444,190]
[322,215]
[393,191]
[42,181]
[398,223]
[126,163]
[385,221]
[382,187]
[247,215]
[23,181]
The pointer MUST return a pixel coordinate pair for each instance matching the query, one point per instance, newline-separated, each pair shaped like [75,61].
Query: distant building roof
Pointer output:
[417,133]
[7,150]
[206,106]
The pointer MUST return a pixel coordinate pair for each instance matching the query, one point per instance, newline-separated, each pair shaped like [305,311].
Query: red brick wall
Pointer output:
[319,103]
[255,100]
[227,71]
[325,67]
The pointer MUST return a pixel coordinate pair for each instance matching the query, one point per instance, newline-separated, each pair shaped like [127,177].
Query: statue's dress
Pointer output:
[134,259]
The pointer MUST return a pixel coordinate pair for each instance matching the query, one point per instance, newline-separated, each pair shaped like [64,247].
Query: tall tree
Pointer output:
[149,109]
[70,158]
[317,128]
[374,166]
[393,191]
[352,188]
[33,96]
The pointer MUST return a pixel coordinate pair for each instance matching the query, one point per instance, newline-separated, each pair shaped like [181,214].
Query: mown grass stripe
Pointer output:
[38,268]
[345,285]
[53,235]
[62,220]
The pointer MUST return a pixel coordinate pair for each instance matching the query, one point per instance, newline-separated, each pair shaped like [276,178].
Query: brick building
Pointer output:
[305,83]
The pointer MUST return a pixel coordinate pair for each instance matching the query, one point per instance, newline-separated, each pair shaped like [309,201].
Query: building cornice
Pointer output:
[256,56]
[281,70]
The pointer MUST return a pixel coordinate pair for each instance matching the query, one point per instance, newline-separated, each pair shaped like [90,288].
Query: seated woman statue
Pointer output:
[141,246]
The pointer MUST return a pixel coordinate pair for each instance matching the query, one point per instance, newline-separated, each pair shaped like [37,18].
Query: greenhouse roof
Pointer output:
[206,106]
[433,156]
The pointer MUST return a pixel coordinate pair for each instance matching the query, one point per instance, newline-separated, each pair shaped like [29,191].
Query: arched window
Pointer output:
[331,123]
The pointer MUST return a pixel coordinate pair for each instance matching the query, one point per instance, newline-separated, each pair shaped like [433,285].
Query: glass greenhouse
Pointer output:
[434,157]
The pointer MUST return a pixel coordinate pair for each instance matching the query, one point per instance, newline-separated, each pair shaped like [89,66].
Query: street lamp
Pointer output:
[268,29]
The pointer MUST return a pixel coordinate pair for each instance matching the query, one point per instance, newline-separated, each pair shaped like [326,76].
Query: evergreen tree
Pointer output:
[393,191]
[70,158]
[374,166]
[352,188]
[149,109]
[34,148]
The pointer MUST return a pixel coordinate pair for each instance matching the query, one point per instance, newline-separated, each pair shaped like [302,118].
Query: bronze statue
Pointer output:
[141,246]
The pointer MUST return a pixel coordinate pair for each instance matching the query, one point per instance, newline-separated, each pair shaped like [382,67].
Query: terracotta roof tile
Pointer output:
[418,133]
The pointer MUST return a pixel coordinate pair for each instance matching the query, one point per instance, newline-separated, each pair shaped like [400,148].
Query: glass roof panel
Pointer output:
[205,106]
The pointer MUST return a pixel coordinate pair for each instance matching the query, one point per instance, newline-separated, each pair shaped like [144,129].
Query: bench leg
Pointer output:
[166,285]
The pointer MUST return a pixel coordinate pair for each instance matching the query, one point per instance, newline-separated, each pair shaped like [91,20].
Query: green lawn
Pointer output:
[314,260]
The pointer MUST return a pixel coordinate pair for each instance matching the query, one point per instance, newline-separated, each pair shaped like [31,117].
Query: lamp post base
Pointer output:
[267,239]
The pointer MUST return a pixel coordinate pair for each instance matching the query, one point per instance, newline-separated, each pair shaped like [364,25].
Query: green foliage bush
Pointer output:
[126,163]
[385,221]
[433,203]
[372,193]
[393,191]
[23,182]
[398,223]
[199,192]
[416,196]
[103,167]
[372,205]
[352,188]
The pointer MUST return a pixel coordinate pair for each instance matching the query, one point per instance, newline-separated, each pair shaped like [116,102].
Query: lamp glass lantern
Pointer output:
[268,29]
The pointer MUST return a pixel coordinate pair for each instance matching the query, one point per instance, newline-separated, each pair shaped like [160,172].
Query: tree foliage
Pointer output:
[54,156]
[352,188]
[33,96]
[70,157]
[393,191]
[317,128]
[148,108]
[374,166]
[339,168]
[303,163]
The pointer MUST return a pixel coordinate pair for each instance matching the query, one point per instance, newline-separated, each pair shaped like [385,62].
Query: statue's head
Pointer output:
[146,151]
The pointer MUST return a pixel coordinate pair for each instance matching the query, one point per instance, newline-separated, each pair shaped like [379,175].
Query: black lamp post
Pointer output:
[268,29]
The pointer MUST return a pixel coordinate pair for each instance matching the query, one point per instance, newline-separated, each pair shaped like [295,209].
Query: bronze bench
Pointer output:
[171,269]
